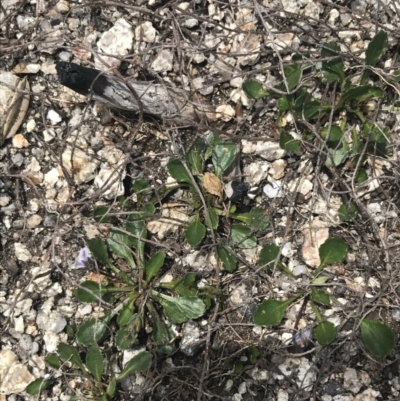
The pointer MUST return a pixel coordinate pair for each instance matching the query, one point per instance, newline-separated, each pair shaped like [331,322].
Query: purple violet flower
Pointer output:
[83,258]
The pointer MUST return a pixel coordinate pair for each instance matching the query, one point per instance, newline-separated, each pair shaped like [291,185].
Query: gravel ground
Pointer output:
[63,155]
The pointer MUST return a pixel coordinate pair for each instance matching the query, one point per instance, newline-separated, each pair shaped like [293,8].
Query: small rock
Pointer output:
[14,376]
[267,150]
[163,62]
[62,6]
[273,190]
[118,41]
[351,381]
[21,252]
[299,369]
[278,169]
[314,236]
[242,388]
[82,166]
[225,112]
[34,221]
[146,32]
[19,141]
[191,338]
[30,125]
[51,177]
[301,185]
[4,200]
[54,117]
[256,172]
[345,19]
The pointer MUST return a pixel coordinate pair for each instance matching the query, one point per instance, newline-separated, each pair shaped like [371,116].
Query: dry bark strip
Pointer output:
[172,105]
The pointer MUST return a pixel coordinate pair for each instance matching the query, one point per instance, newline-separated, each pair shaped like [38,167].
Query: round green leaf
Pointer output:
[98,249]
[37,386]
[325,332]
[94,362]
[254,89]
[139,363]
[333,250]
[229,261]
[154,265]
[348,212]
[268,255]
[125,337]
[195,233]
[361,176]
[334,134]
[86,296]
[102,214]
[321,297]
[283,103]
[91,331]
[53,360]
[241,236]
[178,171]
[68,353]
[180,309]
[377,337]
[271,312]
[287,142]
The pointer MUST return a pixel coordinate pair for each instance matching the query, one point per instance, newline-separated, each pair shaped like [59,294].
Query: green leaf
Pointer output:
[254,89]
[125,315]
[332,69]
[68,353]
[102,214]
[141,188]
[287,142]
[377,337]
[53,360]
[228,259]
[321,297]
[94,362]
[214,218]
[139,233]
[162,335]
[268,255]
[195,156]
[223,154]
[361,176]
[338,155]
[111,388]
[178,171]
[86,296]
[376,48]
[376,133]
[125,338]
[254,353]
[98,248]
[334,134]
[348,212]
[37,386]
[154,265]
[333,250]
[293,75]
[139,363]
[181,309]
[360,93]
[92,330]
[195,233]
[320,280]
[271,311]
[241,236]
[119,243]
[257,218]
[325,332]
[284,103]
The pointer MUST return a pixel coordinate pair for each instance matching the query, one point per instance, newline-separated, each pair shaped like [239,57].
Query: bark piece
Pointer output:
[167,103]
